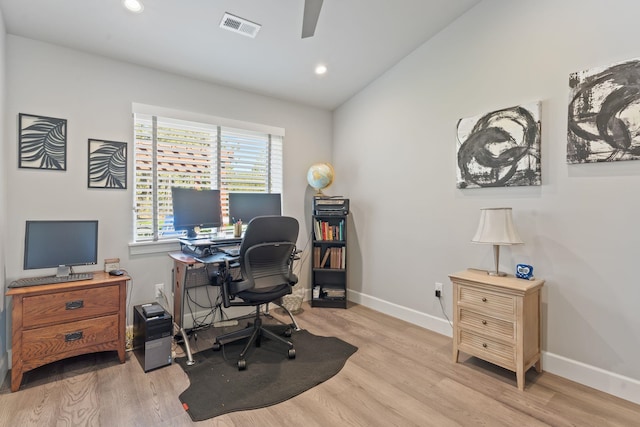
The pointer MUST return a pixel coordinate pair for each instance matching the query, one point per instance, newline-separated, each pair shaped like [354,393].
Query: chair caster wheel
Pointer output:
[287,333]
[216,346]
[292,353]
[242,365]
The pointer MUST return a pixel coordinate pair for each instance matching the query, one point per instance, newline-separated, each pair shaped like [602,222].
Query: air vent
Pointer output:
[239,25]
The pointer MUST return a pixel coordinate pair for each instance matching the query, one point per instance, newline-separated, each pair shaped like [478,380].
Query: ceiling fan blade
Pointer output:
[310,18]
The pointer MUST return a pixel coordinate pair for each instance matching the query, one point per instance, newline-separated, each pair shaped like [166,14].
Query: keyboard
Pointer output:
[47,280]
[232,252]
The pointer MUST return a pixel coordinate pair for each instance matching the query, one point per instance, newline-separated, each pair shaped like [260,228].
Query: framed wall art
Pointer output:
[107,164]
[604,114]
[42,142]
[500,148]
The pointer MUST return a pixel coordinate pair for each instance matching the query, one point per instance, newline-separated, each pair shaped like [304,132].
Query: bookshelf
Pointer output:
[329,261]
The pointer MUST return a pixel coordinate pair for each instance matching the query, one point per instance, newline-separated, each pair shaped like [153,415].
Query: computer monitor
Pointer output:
[246,206]
[62,244]
[194,208]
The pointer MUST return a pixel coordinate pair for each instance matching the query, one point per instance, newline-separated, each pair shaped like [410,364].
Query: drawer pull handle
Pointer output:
[74,305]
[484,344]
[484,322]
[484,299]
[73,336]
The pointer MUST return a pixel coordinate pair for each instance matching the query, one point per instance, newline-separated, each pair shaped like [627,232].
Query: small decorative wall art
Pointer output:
[107,164]
[42,142]
[500,148]
[604,114]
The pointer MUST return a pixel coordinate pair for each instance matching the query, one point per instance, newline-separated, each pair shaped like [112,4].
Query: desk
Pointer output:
[189,272]
[203,246]
[55,321]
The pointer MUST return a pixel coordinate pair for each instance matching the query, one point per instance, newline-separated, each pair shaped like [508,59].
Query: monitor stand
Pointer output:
[192,233]
[63,271]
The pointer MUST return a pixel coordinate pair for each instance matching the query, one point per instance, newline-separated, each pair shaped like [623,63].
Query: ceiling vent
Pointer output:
[239,25]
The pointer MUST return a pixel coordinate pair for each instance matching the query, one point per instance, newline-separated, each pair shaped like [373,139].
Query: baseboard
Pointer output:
[427,321]
[4,366]
[591,376]
[231,312]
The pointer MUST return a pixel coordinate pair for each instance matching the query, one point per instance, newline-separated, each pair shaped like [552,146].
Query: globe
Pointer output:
[320,176]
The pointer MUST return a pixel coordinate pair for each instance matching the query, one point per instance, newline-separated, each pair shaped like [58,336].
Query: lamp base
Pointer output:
[496,273]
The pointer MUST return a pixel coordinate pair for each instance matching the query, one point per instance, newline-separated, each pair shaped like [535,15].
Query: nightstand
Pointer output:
[497,319]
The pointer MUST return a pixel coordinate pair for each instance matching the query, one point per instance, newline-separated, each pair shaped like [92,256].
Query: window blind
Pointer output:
[172,152]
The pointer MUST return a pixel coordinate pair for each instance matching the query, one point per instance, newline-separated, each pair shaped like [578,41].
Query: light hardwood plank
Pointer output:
[401,375]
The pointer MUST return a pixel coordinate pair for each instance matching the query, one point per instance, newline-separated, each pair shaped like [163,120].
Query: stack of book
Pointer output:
[333,293]
[334,257]
[325,231]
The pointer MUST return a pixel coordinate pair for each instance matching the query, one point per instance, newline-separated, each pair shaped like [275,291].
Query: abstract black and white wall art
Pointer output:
[500,148]
[604,114]
[42,142]
[107,164]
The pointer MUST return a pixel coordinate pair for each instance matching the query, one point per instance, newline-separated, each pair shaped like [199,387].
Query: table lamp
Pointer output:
[496,227]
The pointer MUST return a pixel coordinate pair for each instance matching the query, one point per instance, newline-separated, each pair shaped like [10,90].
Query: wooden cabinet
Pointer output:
[56,321]
[329,261]
[498,320]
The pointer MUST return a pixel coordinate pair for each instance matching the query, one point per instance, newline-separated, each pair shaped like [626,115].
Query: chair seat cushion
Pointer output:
[265,295]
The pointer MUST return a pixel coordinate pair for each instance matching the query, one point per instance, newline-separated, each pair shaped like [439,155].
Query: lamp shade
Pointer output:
[496,227]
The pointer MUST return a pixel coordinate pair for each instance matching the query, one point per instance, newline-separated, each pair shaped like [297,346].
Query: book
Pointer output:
[327,252]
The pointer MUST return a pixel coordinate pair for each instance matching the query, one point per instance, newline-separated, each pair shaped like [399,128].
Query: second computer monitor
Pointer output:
[246,206]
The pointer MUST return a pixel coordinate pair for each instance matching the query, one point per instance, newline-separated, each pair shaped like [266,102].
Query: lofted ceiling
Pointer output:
[357,40]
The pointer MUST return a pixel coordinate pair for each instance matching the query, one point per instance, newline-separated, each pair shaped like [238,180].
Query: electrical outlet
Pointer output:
[438,290]
[159,290]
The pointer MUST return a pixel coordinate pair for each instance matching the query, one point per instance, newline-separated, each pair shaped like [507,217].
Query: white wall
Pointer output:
[3,210]
[95,95]
[395,151]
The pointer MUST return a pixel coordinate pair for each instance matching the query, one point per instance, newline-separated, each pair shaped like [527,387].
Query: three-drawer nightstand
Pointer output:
[497,319]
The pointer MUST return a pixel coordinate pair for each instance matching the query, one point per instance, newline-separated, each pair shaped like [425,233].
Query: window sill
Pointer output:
[145,248]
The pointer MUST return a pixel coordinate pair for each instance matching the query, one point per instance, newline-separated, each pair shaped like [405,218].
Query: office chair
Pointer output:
[266,259]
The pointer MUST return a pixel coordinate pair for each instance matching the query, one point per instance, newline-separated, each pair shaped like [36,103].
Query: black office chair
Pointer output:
[266,259]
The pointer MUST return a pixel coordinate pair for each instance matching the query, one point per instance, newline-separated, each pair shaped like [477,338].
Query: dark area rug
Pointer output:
[218,387]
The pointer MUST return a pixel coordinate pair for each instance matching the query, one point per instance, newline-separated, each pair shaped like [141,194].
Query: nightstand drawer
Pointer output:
[68,306]
[68,337]
[488,302]
[490,350]
[487,325]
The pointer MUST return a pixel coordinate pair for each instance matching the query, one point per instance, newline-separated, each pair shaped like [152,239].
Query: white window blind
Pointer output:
[171,152]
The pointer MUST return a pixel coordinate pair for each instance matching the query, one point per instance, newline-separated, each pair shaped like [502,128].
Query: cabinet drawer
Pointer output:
[62,307]
[487,302]
[488,349]
[58,339]
[487,325]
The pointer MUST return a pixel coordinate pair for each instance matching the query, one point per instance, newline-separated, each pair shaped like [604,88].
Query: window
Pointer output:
[176,152]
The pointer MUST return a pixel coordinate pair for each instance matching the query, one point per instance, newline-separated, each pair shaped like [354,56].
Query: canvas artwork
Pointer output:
[604,114]
[107,164]
[500,148]
[42,142]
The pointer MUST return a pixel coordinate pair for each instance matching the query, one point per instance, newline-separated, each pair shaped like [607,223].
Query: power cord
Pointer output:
[443,312]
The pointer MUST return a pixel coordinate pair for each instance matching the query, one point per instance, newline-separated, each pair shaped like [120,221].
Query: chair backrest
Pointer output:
[266,253]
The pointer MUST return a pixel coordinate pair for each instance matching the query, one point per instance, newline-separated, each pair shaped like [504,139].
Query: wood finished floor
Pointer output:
[401,375]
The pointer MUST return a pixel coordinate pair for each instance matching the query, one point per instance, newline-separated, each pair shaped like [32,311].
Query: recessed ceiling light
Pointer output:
[321,69]
[135,6]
